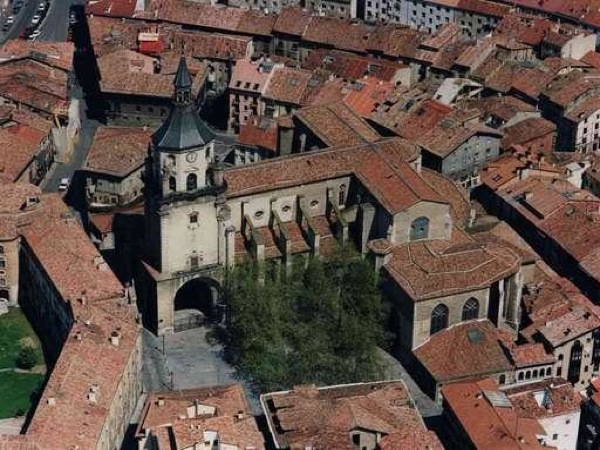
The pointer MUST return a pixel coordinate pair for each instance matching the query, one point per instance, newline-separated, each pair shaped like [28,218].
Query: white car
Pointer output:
[64,184]
[42,6]
[10,20]
[35,34]
[35,19]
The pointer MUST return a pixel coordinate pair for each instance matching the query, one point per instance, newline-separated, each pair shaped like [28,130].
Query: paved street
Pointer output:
[395,370]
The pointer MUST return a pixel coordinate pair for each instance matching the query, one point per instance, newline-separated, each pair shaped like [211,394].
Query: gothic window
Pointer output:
[439,319]
[470,309]
[172,184]
[342,194]
[419,229]
[194,218]
[575,362]
[596,351]
[521,376]
[192,182]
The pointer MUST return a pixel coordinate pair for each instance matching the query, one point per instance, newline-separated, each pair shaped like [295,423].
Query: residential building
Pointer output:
[114,166]
[136,88]
[247,84]
[216,416]
[535,135]
[567,323]
[557,219]
[536,416]
[28,143]
[369,416]
[85,319]
[342,9]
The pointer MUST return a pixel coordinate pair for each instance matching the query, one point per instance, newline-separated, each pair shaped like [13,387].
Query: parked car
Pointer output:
[64,184]
[35,34]
[36,19]
[42,6]
[10,20]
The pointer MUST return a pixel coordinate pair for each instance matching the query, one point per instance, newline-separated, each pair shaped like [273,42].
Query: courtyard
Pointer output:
[17,384]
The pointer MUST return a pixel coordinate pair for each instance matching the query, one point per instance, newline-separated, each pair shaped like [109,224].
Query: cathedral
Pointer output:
[411,222]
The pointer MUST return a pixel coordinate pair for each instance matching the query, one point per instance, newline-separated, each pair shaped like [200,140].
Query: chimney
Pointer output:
[78,335]
[528,195]
[160,401]
[92,394]
[115,337]
[51,401]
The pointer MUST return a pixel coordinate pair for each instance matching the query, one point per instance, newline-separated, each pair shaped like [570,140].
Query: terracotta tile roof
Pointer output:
[129,72]
[324,417]
[568,88]
[578,321]
[112,8]
[466,350]
[103,222]
[526,130]
[411,436]
[292,21]
[17,442]
[54,54]
[248,76]
[188,414]
[336,33]
[457,196]
[67,255]
[504,172]
[351,66]
[210,45]
[260,132]
[430,269]
[66,417]
[21,138]
[583,110]
[288,85]
[93,362]
[381,167]
[415,120]
[531,354]
[337,125]
[35,85]
[213,17]
[366,96]
[592,58]
[487,425]
[558,392]
[118,151]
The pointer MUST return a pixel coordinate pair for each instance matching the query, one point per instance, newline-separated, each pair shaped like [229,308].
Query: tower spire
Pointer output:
[182,80]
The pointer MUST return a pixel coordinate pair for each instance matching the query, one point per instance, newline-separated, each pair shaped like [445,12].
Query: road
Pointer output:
[54,26]
[67,169]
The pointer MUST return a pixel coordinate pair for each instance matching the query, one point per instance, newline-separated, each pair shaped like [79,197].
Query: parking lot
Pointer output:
[23,18]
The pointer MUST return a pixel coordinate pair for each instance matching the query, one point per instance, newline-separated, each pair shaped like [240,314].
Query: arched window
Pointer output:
[521,375]
[528,375]
[419,228]
[192,182]
[439,319]
[470,309]
[193,218]
[502,379]
[172,184]
[535,373]
[1,249]
[548,371]
[342,194]
[575,362]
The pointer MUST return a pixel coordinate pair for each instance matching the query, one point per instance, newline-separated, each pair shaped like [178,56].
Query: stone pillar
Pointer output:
[366,217]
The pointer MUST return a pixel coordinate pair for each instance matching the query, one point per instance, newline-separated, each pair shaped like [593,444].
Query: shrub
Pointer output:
[27,357]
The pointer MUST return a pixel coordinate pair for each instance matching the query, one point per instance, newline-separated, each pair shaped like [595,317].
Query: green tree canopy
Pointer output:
[322,324]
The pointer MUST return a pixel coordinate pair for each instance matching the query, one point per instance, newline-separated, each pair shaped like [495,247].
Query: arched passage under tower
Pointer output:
[196,303]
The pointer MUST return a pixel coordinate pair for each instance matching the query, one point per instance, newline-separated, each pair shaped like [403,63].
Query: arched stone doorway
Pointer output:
[196,303]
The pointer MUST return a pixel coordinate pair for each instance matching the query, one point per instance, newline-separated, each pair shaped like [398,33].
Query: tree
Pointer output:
[27,357]
[320,325]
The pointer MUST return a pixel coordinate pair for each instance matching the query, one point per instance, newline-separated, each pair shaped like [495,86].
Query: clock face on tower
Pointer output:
[191,157]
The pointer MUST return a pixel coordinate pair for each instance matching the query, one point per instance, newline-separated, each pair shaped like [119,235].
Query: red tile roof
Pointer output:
[112,8]
[487,425]
[230,419]
[558,392]
[324,417]
[526,131]
[381,167]
[118,151]
[531,354]
[466,350]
